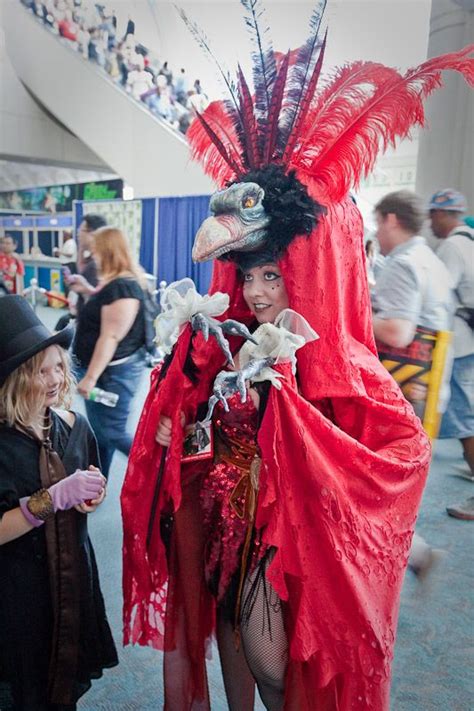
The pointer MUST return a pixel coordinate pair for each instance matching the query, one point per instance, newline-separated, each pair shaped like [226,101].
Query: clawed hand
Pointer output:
[228,382]
[208,325]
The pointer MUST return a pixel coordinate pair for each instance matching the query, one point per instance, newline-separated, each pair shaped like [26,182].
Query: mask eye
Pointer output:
[249,201]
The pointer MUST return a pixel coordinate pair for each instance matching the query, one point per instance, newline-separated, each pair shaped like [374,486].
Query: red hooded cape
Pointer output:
[344,466]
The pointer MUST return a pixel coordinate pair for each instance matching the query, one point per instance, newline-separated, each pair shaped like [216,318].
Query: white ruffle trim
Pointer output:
[279,340]
[179,302]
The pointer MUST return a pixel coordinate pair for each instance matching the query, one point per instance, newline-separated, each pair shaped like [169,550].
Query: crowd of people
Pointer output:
[91,29]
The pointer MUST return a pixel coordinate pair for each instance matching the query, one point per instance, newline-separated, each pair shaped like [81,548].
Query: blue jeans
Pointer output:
[110,423]
[458,420]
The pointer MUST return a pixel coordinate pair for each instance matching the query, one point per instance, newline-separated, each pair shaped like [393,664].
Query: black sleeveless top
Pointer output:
[89,319]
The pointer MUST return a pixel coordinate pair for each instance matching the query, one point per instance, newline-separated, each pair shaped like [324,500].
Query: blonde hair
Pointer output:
[22,396]
[113,251]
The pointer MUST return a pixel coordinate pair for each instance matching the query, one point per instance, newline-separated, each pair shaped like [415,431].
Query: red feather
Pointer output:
[456,61]
[341,103]
[305,104]
[366,108]
[271,132]
[221,160]
[249,125]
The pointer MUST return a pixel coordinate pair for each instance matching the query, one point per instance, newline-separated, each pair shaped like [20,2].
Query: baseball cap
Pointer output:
[448,199]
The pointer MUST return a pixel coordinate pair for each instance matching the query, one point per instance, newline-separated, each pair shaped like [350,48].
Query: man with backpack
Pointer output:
[456,250]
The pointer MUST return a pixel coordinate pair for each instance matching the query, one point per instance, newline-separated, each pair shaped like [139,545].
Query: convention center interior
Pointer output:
[236,355]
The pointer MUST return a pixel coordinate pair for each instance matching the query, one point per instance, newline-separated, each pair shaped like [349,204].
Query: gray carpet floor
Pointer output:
[433,668]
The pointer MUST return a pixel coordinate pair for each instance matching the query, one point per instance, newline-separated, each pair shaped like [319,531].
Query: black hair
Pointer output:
[249,260]
[291,210]
[94,222]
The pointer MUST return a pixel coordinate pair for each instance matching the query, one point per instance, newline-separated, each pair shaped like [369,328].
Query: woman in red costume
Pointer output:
[291,542]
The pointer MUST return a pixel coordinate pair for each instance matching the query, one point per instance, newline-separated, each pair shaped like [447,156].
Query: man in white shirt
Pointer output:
[412,289]
[68,252]
[456,250]
[139,81]
[68,257]
[181,87]
[197,103]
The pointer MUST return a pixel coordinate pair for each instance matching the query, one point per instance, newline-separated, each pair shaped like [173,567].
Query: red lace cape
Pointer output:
[345,462]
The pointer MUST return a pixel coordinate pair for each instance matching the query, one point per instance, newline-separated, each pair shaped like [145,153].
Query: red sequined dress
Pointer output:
[228,494]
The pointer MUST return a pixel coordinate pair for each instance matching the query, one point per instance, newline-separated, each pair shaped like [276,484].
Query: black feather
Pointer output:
[264,65]
[300,75]
[233,104]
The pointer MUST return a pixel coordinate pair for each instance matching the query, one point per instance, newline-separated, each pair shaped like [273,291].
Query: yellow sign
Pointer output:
[419,369]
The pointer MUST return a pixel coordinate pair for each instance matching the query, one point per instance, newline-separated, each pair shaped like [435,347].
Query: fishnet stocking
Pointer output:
[238,681]
[263,636]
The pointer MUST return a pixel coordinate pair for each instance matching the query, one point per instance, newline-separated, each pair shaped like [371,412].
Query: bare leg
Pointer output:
[238,681]
[468,447]
[264,637]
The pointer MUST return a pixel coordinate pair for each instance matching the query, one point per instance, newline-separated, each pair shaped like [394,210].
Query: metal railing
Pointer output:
[32,292]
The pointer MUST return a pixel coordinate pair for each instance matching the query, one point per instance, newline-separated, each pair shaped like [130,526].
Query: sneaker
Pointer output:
[463,472]
[464,511]
[427,563]
[469,476]
[466,475]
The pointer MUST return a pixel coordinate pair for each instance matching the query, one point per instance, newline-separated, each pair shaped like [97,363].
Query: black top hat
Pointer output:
[22,334]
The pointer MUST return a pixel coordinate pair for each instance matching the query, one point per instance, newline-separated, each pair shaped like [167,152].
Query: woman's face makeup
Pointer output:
[264,292]
[52,375]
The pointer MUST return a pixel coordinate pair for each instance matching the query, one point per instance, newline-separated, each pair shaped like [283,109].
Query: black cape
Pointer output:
[25,602]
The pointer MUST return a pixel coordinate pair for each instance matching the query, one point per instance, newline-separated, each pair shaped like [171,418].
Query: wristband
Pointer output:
[40,505]
[32,520]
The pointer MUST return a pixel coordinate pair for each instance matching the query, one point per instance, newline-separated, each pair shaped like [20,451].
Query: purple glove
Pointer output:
[75,489]
[32,520]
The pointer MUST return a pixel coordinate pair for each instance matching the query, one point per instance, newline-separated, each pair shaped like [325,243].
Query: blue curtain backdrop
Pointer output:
[77,216]
[171,224]
[178,221]
[148,237]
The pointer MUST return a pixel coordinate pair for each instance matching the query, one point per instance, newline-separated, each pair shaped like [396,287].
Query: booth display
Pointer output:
[126,215]
[59,198]
[36,237]
[160,230]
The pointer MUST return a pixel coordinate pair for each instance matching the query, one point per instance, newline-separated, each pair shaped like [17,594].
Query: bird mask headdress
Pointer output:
[296,138]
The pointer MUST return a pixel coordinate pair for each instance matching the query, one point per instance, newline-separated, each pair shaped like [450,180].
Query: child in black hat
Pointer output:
[55,636]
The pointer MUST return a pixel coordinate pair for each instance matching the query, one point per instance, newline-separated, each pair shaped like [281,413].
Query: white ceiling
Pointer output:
[16,175]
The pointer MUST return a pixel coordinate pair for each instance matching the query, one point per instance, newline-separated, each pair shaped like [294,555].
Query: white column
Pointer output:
[446,148]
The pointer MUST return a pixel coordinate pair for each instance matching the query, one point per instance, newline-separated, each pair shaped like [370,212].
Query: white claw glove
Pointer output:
[179,302]
[280,341]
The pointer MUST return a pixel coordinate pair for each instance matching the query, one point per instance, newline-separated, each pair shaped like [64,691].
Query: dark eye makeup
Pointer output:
[271,275]
[268,275]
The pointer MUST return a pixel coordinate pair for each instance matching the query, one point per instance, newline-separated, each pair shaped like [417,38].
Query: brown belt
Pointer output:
[238,454]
